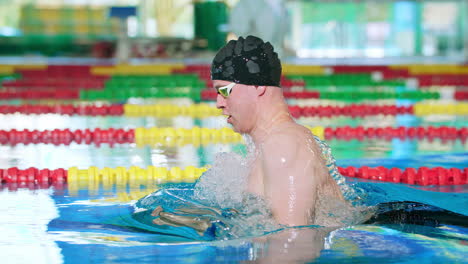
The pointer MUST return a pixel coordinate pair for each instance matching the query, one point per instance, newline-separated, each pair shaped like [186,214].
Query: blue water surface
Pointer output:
[96,226]
[90,229]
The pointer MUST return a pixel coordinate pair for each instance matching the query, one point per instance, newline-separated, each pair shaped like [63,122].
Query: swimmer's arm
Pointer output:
[289,187]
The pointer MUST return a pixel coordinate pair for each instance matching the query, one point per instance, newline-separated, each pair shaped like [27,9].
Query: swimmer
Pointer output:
[288,170]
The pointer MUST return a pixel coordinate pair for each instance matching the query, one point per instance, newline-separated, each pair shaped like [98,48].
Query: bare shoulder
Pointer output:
[293,149]
[286,135]
[288,142]
[292,132]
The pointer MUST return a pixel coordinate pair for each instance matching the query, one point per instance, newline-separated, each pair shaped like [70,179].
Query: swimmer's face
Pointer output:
[239,105]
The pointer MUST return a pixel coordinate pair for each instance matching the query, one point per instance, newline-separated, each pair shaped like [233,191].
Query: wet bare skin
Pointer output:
[289,173]
[288,170]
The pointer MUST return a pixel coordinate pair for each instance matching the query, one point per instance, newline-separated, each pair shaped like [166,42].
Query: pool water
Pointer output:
[87,225]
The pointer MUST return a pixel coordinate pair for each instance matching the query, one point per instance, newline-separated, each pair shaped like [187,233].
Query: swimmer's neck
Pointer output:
[267,120]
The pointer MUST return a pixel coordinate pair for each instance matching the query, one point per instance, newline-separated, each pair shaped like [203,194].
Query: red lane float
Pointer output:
[56,83]
[66,137]
[352,110]
[72,71]
[441,79]
[461,95]
[387,133]
[33,178]
[391,74]
[64,109]
[40,94]
[360,68]
[58,77]
[422,176]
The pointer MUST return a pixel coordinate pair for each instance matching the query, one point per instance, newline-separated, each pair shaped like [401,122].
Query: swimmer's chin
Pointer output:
[235,128]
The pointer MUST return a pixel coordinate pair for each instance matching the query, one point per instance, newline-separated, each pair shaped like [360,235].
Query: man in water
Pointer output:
[289,171]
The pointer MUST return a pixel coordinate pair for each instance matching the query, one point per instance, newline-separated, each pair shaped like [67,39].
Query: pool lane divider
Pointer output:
[362,110]
[211,94]
[196,135]
[206,110]
[151,175]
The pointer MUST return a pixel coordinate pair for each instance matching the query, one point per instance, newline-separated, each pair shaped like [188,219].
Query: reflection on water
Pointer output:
[293,245]
[23,225]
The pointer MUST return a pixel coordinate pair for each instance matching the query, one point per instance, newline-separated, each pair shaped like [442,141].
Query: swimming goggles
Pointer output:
[225,91]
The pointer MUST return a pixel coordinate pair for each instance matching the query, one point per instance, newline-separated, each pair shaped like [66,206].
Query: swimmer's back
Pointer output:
[294,174]
[309,151]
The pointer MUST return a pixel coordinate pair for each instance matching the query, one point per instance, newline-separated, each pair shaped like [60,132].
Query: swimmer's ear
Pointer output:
[261,90]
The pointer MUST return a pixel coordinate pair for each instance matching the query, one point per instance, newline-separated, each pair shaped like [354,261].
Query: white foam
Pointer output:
[224,185]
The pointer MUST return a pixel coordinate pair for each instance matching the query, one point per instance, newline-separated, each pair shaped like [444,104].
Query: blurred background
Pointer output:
[405,31]
[101,101]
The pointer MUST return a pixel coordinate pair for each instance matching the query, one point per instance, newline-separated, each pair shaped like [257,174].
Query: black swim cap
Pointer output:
[247,61]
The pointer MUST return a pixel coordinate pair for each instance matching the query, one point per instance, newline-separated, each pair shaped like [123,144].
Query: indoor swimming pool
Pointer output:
[163,131]
[79,225]
[89,216]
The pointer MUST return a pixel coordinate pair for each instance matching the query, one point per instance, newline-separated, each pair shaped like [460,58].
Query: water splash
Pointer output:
[221,198]
[330,211]
[349,193]
[224,185]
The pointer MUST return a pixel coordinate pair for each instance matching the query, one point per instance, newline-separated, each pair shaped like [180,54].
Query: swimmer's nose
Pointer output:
[220,102]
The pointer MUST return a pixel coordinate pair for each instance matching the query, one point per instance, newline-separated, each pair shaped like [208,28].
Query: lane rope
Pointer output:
[155,175]
[206,110]
[196,135]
